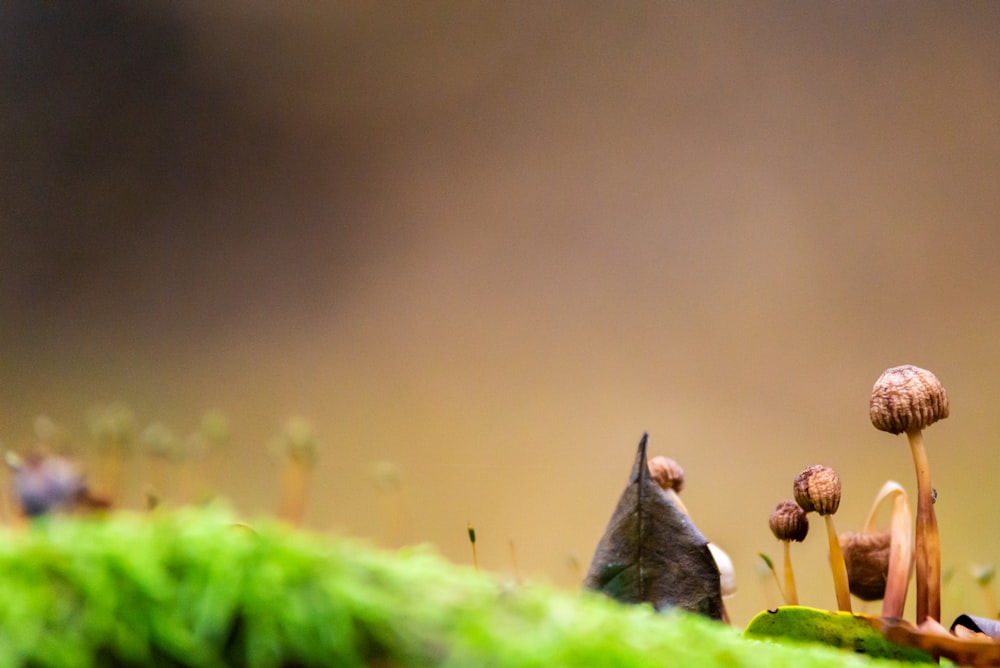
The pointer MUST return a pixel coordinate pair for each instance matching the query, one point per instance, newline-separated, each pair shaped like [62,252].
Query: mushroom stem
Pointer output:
[676,498]
[839,568]
[791,592]
[928,539]
[900,547]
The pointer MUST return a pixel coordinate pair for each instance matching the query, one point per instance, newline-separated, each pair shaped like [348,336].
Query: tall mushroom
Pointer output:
[789,523]
[908,399]
[818,488]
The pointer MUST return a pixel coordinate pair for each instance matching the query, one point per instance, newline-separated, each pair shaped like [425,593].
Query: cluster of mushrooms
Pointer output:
[876,564]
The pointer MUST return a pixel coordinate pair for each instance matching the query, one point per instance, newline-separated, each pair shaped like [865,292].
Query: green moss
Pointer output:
[840,629]
[191,588]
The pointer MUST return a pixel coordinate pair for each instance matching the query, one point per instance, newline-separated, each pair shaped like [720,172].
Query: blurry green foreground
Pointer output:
[194,588]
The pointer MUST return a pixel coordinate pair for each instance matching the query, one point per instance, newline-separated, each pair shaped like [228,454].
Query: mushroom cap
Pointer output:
[727,573]
[667,473]
[789,522]
[818,488]
[867,559]
[907,398]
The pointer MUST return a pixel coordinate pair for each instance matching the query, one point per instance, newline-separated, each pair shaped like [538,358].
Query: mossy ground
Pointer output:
[193,588]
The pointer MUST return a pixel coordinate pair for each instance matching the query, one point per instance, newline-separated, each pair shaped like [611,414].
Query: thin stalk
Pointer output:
[472,542]
[7,514]
[294,489]
[838,567]
[928,540]
[984,579]
[513,561]
[991,601]
[676,498]
[900,547]
[791,592]
[113,472]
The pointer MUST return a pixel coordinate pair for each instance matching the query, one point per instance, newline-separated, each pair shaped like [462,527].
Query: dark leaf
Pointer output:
[651,552]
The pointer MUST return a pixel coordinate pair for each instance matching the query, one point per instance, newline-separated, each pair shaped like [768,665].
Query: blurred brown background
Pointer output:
[489,244]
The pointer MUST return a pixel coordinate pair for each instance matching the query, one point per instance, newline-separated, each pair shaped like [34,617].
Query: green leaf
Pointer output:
[651,552]
[767,561]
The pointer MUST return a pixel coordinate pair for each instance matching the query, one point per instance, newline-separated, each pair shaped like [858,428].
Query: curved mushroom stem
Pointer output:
[791,593]
[839,568]
[928,539]
[900,547]
[676,498]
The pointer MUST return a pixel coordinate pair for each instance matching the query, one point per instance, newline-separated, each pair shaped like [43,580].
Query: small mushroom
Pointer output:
[867,558]
[789,523]
[908,399]
[878,562]
[727,576]
[817,488]
[669,475]
[727,573]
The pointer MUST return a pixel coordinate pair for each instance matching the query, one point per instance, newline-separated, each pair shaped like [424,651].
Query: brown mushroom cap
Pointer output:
[818,488]
[667,473]
[907,398]
[789,522]
[867,559]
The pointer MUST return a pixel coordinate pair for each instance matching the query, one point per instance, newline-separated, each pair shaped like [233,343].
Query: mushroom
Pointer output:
[727,576]
[789,523]
[866,556]
[878,562]
[818,488]
[727,572]
[908,399]
[669,475]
